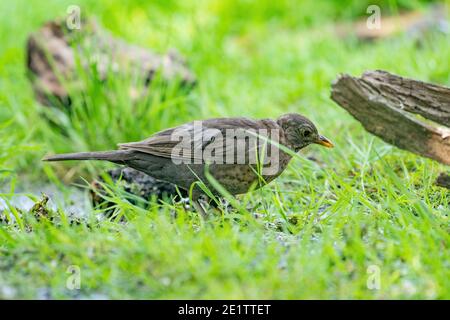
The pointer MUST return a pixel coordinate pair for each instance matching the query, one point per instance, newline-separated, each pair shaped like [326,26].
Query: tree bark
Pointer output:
[383,103]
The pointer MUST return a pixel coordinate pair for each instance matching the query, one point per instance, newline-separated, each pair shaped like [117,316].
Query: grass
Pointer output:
[316,232]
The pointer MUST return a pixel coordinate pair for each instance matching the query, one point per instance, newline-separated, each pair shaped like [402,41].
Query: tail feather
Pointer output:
[114,156]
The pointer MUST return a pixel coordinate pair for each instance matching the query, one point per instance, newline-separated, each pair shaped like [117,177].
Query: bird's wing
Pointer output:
[191,141]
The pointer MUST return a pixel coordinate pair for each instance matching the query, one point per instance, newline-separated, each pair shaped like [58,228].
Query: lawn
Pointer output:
[362,220]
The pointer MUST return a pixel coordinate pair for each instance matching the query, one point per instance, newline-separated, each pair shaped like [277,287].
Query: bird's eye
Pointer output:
[307,133]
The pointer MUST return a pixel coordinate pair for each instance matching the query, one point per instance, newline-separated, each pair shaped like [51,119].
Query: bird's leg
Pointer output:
[216,207]
[198,207]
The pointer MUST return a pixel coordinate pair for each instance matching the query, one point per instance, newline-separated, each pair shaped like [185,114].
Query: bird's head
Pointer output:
[300,132]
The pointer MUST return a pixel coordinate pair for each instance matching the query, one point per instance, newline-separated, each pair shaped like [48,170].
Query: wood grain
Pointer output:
[385,105]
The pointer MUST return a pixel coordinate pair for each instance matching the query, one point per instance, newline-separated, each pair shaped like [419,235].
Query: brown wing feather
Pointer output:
[162,143]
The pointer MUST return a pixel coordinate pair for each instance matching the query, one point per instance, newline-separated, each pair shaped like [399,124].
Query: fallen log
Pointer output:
[385,105]
[54,51]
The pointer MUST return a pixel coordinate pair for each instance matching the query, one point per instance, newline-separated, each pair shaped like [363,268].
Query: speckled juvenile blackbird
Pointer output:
[235,151]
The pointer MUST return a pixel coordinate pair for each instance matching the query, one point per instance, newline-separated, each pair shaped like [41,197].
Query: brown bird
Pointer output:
[239,153]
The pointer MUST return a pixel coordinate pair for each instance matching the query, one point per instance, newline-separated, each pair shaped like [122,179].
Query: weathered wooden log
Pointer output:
[54,51]
[383,103]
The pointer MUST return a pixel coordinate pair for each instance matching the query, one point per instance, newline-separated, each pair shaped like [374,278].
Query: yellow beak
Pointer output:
[325,142]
